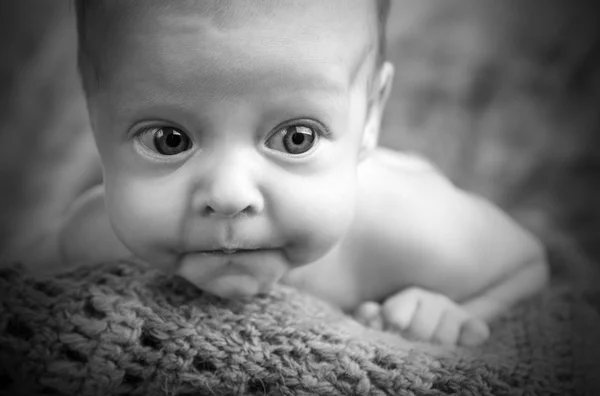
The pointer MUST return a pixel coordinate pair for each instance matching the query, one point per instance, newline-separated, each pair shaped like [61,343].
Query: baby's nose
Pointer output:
[230,191]
[229,206]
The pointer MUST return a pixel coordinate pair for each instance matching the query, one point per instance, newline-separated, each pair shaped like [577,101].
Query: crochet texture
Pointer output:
[122,328]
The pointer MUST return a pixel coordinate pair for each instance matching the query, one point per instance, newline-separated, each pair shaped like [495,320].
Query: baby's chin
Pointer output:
[236,286]
[237,275]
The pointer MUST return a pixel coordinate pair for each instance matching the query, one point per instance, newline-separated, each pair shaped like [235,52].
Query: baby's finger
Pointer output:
[474,332]
[369,314]
[448,329]
[428,315]
[398,311]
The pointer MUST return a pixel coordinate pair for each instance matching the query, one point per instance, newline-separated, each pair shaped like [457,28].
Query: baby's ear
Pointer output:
[384,81]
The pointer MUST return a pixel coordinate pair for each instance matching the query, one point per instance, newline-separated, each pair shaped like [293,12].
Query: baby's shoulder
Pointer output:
[388,172]
[404,161]
[404,208]
[403,200]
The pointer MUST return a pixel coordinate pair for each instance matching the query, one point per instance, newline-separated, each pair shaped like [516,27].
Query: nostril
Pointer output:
[228,201]
[227,210]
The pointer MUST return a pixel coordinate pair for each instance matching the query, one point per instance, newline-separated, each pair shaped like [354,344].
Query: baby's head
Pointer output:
[230,132]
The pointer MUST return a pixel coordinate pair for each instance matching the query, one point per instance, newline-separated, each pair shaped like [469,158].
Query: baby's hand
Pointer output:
[426,316]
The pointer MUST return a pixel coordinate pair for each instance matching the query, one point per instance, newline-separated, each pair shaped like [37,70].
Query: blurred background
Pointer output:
[504,96]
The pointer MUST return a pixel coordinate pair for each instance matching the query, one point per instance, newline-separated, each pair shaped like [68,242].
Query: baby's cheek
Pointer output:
[317,217]
[145,220]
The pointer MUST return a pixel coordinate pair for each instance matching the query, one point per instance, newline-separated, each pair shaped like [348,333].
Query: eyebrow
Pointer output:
[150,99]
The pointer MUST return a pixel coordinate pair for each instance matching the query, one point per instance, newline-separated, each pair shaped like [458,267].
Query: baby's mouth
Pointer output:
[230,251]
[221,251]
[233,271]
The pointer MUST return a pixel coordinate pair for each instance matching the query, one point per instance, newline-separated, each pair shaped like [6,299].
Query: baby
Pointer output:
[239,149]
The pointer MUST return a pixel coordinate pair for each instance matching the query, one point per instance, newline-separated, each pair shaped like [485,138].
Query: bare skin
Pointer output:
[234,206]
[441,248]
[399,273]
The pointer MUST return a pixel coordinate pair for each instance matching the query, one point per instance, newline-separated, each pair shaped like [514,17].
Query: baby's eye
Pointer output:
[293,139]
[167,140]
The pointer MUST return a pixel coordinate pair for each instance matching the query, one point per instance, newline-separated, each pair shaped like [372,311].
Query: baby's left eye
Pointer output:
[166,140]
[293,139]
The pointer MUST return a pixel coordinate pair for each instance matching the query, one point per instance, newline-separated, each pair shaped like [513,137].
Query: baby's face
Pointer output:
[230,141]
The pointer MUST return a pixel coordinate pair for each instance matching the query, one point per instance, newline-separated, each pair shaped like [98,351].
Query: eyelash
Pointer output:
[320,129]
[139,133]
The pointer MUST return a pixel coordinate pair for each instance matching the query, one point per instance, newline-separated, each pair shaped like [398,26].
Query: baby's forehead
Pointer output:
[229,11]
[232,14]
[314,27]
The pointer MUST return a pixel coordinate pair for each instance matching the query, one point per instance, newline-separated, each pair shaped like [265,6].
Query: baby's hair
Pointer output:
[88,56]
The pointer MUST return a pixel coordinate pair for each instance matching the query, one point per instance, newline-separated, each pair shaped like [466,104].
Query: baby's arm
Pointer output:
[492,283]
[439,247]
[83,236]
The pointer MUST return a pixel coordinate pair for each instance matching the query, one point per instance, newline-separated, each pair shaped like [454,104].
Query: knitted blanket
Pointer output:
[125,329]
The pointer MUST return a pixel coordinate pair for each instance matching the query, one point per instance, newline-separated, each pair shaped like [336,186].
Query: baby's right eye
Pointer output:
[166,140]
